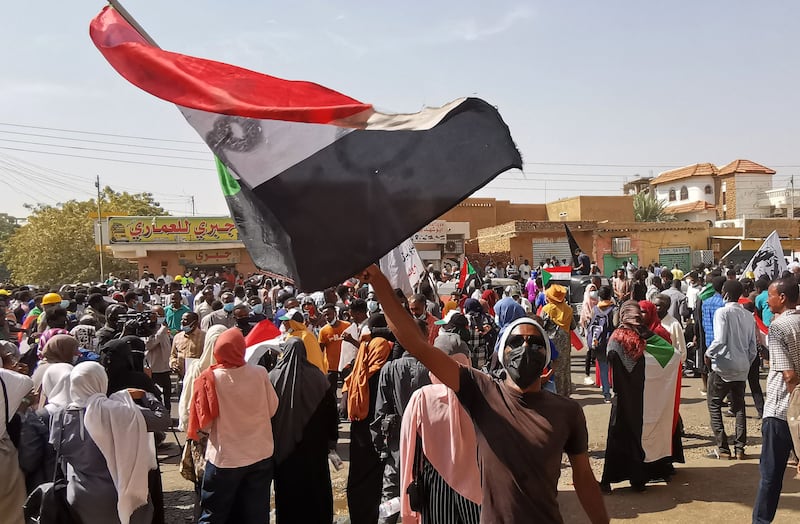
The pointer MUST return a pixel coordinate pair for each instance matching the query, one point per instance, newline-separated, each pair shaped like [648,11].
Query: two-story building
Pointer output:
[704,192]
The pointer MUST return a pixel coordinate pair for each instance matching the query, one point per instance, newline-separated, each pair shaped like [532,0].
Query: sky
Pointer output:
[594,93]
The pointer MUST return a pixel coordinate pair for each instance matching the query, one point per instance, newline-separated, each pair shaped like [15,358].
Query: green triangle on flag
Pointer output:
[546,277]
[661,350]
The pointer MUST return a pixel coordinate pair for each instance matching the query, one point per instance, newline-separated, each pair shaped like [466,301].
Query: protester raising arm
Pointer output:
[408,333]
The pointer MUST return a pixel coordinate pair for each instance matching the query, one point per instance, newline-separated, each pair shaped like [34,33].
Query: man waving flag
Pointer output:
[288,149]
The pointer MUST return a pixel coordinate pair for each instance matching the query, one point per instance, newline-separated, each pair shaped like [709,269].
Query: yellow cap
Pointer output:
[5,293]
[51,298]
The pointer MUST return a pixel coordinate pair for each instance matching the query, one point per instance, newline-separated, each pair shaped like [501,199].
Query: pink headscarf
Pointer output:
[434,412]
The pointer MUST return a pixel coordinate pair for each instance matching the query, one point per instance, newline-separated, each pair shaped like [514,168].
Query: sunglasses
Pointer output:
[516,341]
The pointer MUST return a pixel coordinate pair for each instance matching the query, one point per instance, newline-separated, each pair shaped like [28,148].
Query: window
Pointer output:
[708,190]
[620,246]
[672,195]
[684,193]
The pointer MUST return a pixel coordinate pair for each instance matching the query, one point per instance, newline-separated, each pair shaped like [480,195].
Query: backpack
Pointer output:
[599,329]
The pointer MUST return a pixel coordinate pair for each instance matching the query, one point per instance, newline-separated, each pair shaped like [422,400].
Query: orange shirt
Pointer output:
[330,339]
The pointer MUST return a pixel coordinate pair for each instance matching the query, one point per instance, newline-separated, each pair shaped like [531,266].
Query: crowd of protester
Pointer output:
[458,407]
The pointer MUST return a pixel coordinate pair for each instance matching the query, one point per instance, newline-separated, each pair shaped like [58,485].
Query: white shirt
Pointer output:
[349,351]
[675,329]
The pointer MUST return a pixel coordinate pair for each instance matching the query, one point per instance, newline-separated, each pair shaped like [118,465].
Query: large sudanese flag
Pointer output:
[319,184]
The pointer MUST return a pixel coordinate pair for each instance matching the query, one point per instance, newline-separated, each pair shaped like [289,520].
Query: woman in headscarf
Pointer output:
[293,323]
[233,403]
[651,321]
[507,311]
[306,429]
[123,359]
[36,455]
[108,453]
[365,476]
[450,305]
[645,369]
[483,333]
[193,461]
[438,449]
[559,322]
[60,348]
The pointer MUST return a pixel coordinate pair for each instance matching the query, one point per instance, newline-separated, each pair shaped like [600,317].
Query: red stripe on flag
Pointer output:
[261,332]
[462,276]
[213,86]
[560,269]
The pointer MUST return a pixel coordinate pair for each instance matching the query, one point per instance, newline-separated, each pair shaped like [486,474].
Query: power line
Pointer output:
[115,151]
[101,142]
[98,133]
[107,159]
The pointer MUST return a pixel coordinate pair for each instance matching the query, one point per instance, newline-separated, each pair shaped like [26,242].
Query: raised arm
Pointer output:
[408,333]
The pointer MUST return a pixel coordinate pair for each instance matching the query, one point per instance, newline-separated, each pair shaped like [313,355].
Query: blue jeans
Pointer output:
[776,442]
[238,495]
[605,383]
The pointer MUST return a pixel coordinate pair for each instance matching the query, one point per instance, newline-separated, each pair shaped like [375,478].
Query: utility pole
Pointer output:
[790,214]
[100,227]
[192,197]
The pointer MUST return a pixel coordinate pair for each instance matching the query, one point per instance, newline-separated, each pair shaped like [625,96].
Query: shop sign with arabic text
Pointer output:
[123,230]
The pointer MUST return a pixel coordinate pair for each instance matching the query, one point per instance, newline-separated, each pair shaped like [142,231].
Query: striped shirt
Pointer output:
[784,355]
[710,306]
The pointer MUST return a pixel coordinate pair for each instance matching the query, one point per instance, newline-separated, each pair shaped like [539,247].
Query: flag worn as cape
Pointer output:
[573,246]
[768,262]
[291,152]
[659,417]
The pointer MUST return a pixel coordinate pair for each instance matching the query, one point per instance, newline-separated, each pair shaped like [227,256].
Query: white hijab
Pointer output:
[56,386]
[205,361]
[118,429]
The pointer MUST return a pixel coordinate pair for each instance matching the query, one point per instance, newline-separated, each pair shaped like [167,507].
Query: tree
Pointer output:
[8,225]
[647,208]
[57,246]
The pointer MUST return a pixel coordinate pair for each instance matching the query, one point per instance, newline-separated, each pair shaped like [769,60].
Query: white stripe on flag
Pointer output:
[658,406]
[278,145]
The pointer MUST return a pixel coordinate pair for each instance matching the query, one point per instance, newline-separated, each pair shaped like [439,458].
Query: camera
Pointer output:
[139,324]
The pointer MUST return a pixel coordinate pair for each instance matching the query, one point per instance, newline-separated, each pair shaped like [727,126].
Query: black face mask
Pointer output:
[243,323]
[524,364]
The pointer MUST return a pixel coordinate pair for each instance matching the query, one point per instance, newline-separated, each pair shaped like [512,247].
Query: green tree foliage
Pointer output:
[8,225]
[56,246]
[647,208]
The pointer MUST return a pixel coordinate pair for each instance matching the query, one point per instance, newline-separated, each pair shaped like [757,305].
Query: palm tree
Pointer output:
[647,208]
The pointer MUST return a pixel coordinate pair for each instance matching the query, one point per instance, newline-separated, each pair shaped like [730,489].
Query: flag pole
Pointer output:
[118,7]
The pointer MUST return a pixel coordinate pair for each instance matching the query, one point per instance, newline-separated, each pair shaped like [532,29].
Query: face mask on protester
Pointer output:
[372,306]
[229,307]
[161,320]
[258,309]
[524,361]
[593,295]
[242,323]
[187,328]
[65,304]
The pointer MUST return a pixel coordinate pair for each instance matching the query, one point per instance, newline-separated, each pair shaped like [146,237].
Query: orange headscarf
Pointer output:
[370,359]
[452,305]
[204,407]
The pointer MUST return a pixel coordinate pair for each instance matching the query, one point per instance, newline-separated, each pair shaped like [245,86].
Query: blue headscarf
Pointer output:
[507,310]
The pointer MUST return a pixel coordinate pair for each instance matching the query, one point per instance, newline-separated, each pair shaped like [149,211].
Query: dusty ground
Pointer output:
[703,490]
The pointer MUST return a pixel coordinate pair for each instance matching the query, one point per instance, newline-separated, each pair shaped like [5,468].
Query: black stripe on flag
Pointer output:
[353,201]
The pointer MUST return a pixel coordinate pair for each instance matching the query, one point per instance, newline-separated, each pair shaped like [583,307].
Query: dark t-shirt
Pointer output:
[521,438]
[585,262]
